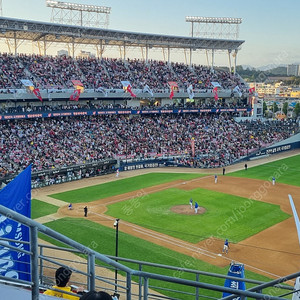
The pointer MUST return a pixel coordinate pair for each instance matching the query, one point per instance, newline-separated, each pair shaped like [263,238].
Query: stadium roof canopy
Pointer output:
[59,33]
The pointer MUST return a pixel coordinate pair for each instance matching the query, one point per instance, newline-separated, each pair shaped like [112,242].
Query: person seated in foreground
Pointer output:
[62,277]
[92,295]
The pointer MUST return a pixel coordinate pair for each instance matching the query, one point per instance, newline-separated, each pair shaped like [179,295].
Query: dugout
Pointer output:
[66,174]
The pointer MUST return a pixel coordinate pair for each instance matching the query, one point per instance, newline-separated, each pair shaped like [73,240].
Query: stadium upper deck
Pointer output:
[48,72]
[59,33]
[52,73]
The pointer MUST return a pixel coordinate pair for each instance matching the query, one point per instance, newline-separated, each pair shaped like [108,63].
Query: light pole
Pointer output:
[116,224]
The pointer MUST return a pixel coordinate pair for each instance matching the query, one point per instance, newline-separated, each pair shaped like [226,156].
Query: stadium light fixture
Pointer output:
[116,223]
[214,20]
[79,7]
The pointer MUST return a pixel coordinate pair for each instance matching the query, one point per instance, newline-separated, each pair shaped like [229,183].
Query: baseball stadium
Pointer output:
[143,177]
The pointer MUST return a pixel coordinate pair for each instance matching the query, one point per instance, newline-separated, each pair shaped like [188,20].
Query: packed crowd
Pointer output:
[58,72]
[231,141]
[60,142]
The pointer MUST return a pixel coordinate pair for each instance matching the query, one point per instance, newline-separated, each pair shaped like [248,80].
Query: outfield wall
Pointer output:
[143,164]
[291,143]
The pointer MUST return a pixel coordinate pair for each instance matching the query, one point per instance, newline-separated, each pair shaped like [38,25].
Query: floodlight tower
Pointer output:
[1,12]
[216,28]
[210,27]
[79,14]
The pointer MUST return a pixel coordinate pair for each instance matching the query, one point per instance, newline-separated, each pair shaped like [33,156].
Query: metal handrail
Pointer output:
[35,227]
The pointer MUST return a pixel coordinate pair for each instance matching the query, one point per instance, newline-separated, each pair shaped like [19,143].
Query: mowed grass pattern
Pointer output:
[103,241]
[226,216]
[285,171]
[121,186]
[41,209]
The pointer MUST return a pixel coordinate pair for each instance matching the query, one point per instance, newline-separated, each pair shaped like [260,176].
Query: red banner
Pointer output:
[173,84]
[252,90]
[171,93]
[215,92]
[193,146]
[130,91]
[75,96]
[38,94]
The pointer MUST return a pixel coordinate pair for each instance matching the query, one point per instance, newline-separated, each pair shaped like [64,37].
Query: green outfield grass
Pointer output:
[40,209]
[285,171]
[226,216]
[121,186]
[103,240]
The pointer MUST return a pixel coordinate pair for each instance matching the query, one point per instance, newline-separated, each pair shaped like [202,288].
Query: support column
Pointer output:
[91,272]
[45,47]
[124,51]
[146,288]
[34,262]
[142,51]
[120,49]
[212,58]
[235,60]
[41,265]
[101,50]
[229,60]
[38,46]
[185,56]
[16,44]
[163,51]
[147,54]
[169,55]
[8,45]
[207,60]
[73,48]
[192,29]
[191,54]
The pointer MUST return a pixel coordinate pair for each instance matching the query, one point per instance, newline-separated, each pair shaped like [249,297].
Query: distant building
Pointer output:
[293,70]
[62,53]
[272,79]
[295,93]
[265,89]
[277,90]
[85,54]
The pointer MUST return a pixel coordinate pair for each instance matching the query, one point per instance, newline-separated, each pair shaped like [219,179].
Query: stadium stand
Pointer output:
[60,142]
[55,143]
[48,72]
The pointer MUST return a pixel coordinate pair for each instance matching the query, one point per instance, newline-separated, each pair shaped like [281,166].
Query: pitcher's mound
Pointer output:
[186,210]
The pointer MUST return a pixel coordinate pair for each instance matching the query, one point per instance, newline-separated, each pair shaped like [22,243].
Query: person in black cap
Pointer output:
[96,296]
[85,211]
[61,290]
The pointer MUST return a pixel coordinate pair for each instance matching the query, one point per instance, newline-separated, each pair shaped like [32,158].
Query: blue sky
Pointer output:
[270,28]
